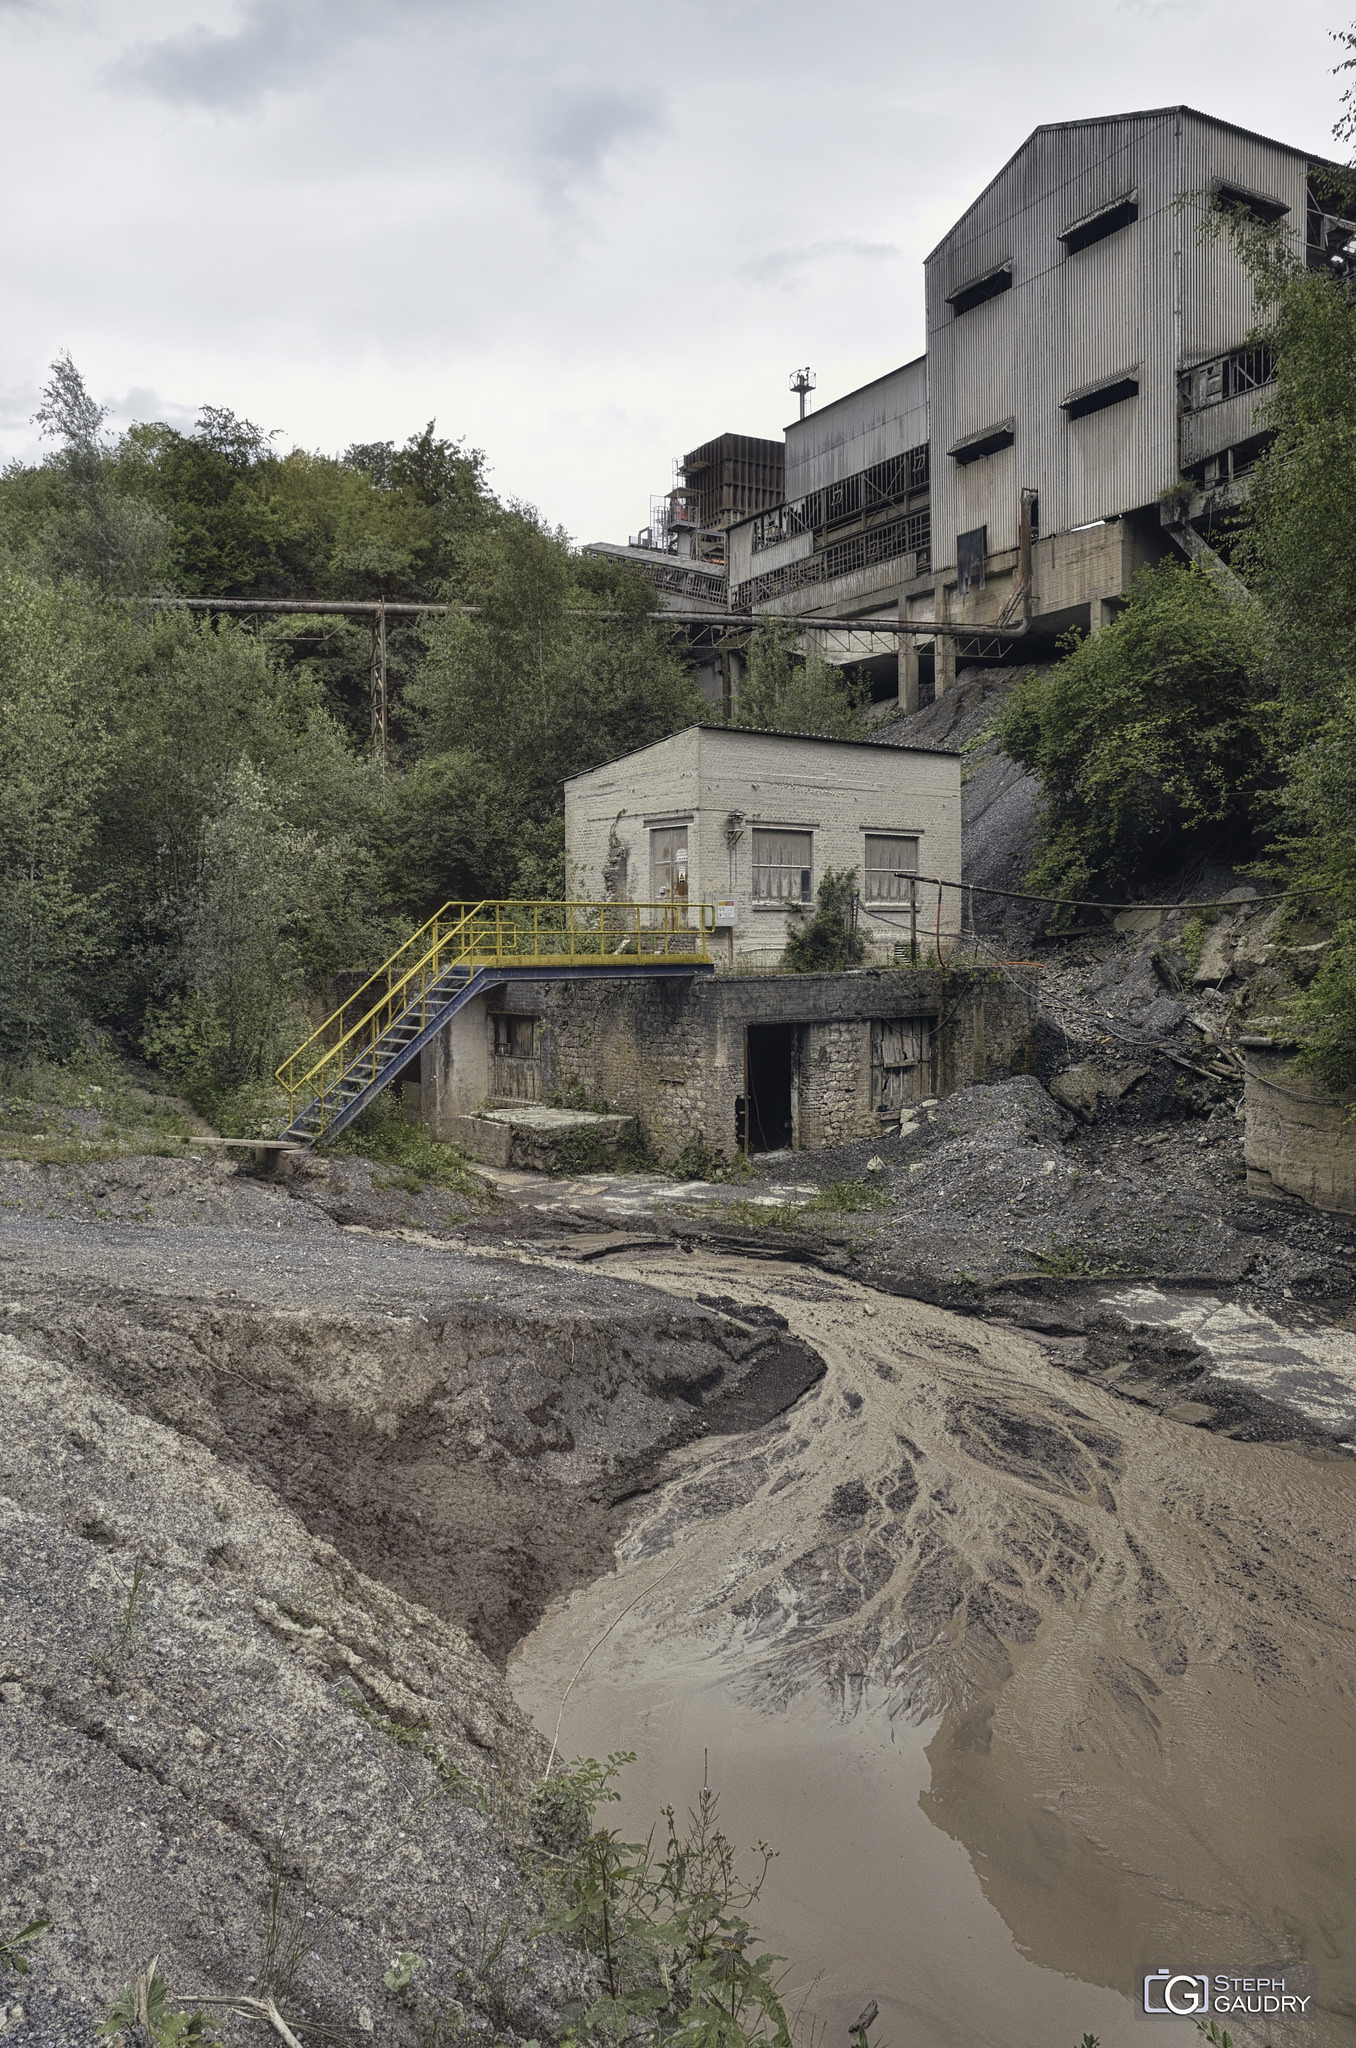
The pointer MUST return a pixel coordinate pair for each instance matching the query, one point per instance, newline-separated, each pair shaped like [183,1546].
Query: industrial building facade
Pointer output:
[1091,399]
[750,822]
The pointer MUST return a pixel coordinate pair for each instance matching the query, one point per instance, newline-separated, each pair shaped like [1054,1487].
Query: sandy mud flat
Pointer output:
[1036,1691]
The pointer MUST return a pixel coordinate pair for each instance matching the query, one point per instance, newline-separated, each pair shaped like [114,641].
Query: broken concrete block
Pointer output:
[539,1139]
[1217,955]
[1082,1088]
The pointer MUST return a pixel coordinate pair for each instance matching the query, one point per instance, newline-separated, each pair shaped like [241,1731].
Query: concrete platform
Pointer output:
[538,1139]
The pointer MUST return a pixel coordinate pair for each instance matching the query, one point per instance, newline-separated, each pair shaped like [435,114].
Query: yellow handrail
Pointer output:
[466,936]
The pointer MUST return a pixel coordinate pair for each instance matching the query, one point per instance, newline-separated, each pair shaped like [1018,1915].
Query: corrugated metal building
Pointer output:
[1087,349]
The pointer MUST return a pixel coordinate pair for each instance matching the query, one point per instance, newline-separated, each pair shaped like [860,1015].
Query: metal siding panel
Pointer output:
[1074,321]
[881,419]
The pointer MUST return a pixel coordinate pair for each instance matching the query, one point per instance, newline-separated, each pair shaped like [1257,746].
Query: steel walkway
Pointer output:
[463,952]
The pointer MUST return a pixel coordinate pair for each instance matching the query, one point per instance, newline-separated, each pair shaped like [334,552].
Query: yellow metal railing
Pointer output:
[462,938]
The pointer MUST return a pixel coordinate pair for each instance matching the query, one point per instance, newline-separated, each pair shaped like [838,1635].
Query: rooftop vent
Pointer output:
[1080,403]
[967,296]
[975,446]
[1095,227]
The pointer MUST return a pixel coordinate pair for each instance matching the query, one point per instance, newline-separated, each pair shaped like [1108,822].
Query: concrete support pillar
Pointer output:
[908,665]
[1102,610]
[945,645]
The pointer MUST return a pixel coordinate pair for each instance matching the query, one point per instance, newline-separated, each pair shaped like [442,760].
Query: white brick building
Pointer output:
[751,821]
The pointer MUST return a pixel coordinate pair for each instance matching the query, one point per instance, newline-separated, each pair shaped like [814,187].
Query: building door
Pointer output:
[770,1065]
[515,1069]
[901,1063]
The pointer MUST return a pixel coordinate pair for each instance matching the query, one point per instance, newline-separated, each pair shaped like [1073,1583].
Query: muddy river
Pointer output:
[1034,1691]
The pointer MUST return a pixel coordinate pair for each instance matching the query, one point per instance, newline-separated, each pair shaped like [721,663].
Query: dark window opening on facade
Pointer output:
[766,1123]
[782,866]
[1105,395]
[1098,226]
[1256,205]
[1210,383]
[972,553]
[988,443]
[1330,232]
[515,1038]
[890,859]
[982,288]
[1230,464]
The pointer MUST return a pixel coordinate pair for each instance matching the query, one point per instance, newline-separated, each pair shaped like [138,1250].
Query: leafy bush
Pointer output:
[666,1927]
[384,1134]
[826,940]
[1150,739]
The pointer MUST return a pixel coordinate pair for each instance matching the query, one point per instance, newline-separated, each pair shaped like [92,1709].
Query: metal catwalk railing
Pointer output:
[349,1057]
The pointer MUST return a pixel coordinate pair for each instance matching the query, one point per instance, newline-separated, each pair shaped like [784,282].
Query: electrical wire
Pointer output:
[1087,902]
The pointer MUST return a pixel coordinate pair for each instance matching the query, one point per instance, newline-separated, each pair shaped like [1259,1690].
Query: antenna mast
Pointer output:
[803,383]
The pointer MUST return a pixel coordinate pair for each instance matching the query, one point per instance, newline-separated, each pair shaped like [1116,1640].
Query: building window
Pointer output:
[668,864]
[1258,206]
[1081,403]
[515,1038]
[781,867]
[1109,221]
[990,442]
[967,296]
[1210,383]
[890,860]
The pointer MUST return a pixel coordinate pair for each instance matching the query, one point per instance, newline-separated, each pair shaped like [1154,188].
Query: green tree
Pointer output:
[558,668]
[785,691]
[1151,739]
[70,517]
[54,764]
[1296,553]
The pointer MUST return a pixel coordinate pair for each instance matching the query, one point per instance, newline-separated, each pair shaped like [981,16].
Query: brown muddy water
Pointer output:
[1034,1690]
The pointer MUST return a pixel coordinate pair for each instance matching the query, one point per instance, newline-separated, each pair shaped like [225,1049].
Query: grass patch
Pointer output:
[412,1157]
[85,1110]
[697,1161]
[1073,1261]
[837,1198]
[1194,934]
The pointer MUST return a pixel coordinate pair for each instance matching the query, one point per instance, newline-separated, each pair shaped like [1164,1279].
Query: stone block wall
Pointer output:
[671,1053]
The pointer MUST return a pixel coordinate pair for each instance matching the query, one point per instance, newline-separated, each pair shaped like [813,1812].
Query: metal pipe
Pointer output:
[927,629]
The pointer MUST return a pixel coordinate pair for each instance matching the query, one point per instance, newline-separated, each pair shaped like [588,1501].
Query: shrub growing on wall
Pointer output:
[825,940]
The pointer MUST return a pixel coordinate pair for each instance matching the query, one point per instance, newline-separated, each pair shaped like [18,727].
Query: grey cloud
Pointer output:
[584,126]
[786,266]
[279,45]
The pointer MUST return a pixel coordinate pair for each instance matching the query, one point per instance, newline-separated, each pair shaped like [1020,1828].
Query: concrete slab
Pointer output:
[534,1136]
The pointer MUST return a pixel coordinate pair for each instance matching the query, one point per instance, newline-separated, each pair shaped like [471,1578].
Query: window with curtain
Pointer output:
[782,866]
[889,862]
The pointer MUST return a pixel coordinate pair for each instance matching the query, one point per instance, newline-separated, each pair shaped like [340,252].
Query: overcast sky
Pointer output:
[585,234]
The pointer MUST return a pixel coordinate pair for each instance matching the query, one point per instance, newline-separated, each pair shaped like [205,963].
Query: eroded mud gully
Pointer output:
[1129,1647]
[1034,1687]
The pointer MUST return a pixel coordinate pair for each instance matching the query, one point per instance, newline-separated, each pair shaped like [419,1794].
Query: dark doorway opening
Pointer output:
[770,1051]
